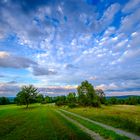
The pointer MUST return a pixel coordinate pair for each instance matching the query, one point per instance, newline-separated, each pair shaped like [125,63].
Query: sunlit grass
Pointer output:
[126,117]
[107,134]
[39,122]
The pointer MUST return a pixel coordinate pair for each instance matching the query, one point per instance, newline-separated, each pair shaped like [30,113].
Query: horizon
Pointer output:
[57,44]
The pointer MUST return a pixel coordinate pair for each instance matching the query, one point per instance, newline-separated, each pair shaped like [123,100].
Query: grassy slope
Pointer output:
[107,134]
[38,122]
[121,116]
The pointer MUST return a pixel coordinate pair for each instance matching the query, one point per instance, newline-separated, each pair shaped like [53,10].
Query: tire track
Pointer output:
[118,131]
[91,133]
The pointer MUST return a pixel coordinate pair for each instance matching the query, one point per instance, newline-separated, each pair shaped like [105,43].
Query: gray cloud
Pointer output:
[65,37]
[56,91]
[8,89]
[11,61]
[70,66]
[39,71]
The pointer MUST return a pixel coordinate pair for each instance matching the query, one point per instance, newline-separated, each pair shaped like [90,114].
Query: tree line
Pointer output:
[86,96]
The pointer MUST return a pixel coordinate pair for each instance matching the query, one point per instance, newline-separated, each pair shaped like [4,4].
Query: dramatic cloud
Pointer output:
[8,89]
[10,61]
[60,43]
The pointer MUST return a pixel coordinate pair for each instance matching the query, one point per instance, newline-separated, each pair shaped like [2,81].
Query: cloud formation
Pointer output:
[11,61]
[61,43]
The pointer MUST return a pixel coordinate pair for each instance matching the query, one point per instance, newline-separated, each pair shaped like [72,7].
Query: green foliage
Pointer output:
[48,99]
[132,100]
[61,100]
[4,101]
[100,93]
[71,97]
[27,95]
[40,98]
[113,100]
[71,100]
[87,95]
[72,105]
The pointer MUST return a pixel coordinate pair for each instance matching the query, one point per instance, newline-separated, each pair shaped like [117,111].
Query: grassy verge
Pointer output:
[120,116]
[37,122]
[107,134]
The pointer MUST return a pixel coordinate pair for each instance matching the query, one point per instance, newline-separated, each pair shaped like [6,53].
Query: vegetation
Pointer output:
[27,95]
[86,96]
[4,101]
[126,117]
[38,122]
[41,121]
[132,100]
[107,134]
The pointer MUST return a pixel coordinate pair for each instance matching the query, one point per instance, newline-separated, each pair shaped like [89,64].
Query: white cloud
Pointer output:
[130,22]
[128,54]
[131,6]
[107,17]
[4,54]
[111,86]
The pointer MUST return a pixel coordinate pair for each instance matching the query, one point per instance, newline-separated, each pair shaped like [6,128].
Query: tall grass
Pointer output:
[120,116]
[107,134]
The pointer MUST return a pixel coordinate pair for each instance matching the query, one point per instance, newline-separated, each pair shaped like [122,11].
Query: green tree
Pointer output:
[40,98]
[26,95]
[100,93]
[71,97]
[4,101]
[71,100]
[113,100]
[87,95]
[61,100]
[48,99]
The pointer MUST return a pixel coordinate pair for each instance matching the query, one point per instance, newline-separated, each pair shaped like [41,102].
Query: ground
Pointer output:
[44,122]
[126,117]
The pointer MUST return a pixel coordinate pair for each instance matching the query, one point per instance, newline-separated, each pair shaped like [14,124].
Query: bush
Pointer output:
[96,103]
[72,105]
[43,102]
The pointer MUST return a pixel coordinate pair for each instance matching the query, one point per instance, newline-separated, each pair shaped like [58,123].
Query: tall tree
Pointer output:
[100,93]
[40,98]
[86,93]
[26,94]
[71,97]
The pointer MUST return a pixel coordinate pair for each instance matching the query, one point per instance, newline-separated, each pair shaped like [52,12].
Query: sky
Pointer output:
[57,44]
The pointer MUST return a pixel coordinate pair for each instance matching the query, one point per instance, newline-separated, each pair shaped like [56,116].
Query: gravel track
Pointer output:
[118,131]
[91,133]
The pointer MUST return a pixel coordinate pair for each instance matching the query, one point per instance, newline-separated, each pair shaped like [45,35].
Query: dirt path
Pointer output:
[91,133]
[118,131]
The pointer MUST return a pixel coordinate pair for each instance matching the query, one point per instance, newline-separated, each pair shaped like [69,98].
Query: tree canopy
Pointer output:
[26,95]
[87,95]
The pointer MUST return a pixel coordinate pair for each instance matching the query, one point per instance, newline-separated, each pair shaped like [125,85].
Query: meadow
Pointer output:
[126,117]
[43,122]
[39,122]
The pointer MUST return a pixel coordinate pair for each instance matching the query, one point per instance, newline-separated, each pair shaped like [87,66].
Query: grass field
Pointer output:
[107,134]
[43,122]
[39,122]
[126,117]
